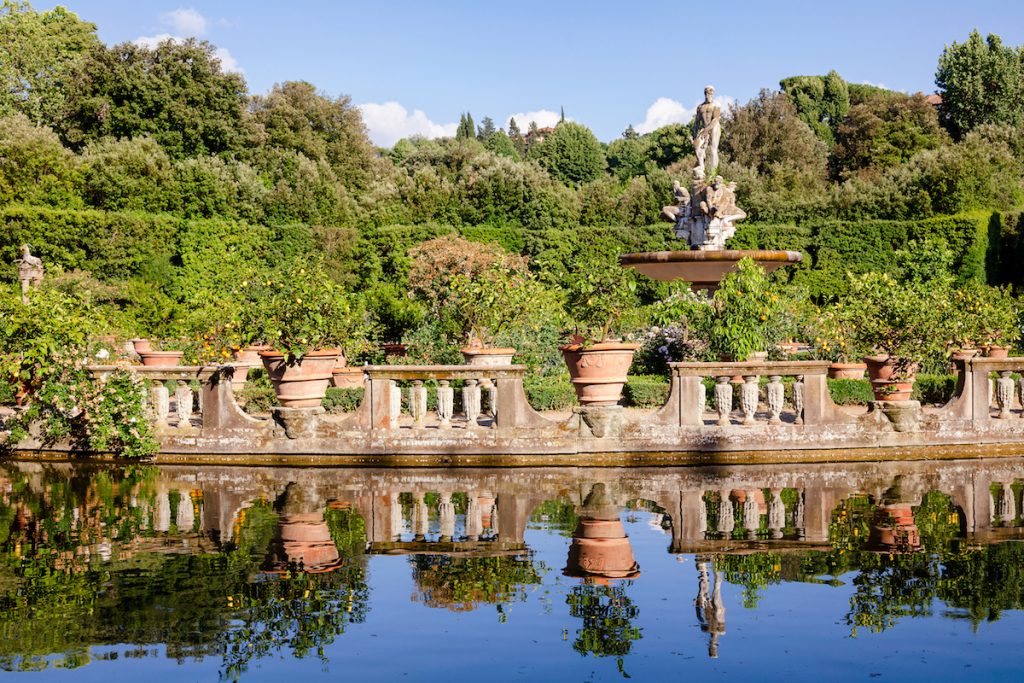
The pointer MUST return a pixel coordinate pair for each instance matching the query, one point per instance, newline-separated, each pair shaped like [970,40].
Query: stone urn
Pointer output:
[598,372]
[345,377]
[302,383]
[885,385]
[161,359]
[847,370]
[600,548]
[489,357]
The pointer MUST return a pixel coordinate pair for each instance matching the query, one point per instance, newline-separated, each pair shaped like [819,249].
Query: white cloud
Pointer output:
[390,122]
[185,21]
[544,118]
[666,110]
[228,63]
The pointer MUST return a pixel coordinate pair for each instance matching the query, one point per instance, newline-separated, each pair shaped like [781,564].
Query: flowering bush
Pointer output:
[746,313]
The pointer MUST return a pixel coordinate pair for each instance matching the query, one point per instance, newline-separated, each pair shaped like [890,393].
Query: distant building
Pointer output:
[539,136]
[935,99]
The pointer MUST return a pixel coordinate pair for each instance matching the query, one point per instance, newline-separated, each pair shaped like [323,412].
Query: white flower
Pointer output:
[103,354]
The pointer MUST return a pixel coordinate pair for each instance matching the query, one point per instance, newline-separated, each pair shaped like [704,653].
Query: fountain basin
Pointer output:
[703,269]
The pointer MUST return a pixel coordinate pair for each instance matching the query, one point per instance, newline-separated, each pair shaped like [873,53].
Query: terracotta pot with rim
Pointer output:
[161,359]
[345,377]
[965,354]
[487,356]
[598,372]
[250,355]
[847,370]
[142,345]
[302,384]
[881,369]
[993,351]
[600,547]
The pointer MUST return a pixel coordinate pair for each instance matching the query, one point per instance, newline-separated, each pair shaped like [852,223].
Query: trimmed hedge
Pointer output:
[343,400]
[1006,248]
[646,391]
[550,393]
[935,389]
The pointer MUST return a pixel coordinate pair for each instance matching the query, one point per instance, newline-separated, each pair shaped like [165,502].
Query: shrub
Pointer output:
[343,400]
[550,393]
[646,391]
[847,392]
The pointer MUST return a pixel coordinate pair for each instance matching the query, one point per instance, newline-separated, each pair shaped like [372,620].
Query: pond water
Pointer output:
[887,571]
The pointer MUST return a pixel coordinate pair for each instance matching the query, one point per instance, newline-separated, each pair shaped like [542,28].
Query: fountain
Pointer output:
[704,216]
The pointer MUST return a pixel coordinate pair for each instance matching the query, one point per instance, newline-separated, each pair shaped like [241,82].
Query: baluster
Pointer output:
[991,391]
[471,401]
[162,512]
[474,517]
[751,514]
[798,514]
[702,399]
[186,517]
[1006,509]
[1004,394]
[420,520]
[776,514]
[723,399]
[395,409]
[775,394]
[993,505]
[397,523]
[494,518]
[418,402]
[798,399]
[726,522]
[446,516]
[748,398]
[161,400]
[492,399]
[183,398]
[445,403]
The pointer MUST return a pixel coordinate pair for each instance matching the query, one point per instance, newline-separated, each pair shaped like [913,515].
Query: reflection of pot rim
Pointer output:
[333,566]
[607,579]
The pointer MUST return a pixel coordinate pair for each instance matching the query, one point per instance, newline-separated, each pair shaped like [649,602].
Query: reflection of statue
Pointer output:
[707,129]
[709,606]
[30,271]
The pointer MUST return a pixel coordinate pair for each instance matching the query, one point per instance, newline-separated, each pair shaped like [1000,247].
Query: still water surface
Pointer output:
[840,572]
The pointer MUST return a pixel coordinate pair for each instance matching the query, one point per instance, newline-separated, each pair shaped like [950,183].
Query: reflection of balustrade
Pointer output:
[810,402]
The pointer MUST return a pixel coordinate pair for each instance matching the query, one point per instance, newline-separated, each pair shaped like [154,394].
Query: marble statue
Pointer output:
[30,271]
[705,215]
[707,129]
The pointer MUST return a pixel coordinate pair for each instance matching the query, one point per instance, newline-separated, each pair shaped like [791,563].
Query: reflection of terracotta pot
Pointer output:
[302,384]
[488,356]
[161,359]
[142,345]
[599,371]
[893,527]
[997,351]
[304,538]
[601,548]
[847,370]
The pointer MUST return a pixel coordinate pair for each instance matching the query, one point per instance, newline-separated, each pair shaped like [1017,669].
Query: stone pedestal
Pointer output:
[298,423]
[905,416]
[602,421]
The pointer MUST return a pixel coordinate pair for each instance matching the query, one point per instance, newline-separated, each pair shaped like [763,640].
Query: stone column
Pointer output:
[418,402]
[798,399]
[748,398]
[396,523]
[775,394]
[1004,394]
[395,405]
[186,516]
[726,523]
[471,402]
[446,516]
[474,517]
[751,514]
[161,401]
[776,514]
[162,512]
[420,520]
[183,399]
[445,403]
[723,399]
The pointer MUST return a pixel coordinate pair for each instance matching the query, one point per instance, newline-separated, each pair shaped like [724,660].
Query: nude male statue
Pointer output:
[30,271]
[707,129]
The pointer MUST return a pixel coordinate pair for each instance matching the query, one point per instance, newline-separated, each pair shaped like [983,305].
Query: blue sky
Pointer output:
[414,66]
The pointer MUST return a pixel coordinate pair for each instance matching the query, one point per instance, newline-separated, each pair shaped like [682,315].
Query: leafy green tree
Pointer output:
[885,132]
[133,175]
[176,93]
[516,136]
[294,116]
[40,49]
[980,81]
[486,129]
[669,144]
[571,154]
[34,167]
[500,144]
[628,155]
[466,129]
[821,101]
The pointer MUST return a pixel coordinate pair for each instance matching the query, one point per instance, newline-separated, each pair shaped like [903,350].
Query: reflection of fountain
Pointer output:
[302,538]
[600,548]
[710,607]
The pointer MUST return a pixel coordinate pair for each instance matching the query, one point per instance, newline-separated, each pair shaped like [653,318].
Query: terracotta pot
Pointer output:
[347,378]
[893,527]
[878,367]
[598,372]
[305,539]
[302,384]
[394,350]
[965,354]
[997,351]
[488,356]
[250,355]
[161,359]
[892,390]
[847,370]
[142,345]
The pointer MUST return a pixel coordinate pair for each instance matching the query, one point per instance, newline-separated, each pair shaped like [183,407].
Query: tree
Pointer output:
[133,175]
[295,117]
[669,144]
[516,136]
[499,143]
[34,167]
[627,156]
[884,132]
[466,129]
[571,154]
[176,93]
[486,129]
[39,49]
[980,81]
[821,101]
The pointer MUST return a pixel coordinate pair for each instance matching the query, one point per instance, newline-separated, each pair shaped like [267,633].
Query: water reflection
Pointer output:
[239,564]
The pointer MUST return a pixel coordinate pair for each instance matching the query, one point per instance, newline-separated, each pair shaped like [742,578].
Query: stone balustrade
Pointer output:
[987,390]
[809,400]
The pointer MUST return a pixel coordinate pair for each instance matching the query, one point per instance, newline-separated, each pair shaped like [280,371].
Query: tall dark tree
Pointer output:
[981,81]
[820,101]
[486,129]
[176,93]
[516,136]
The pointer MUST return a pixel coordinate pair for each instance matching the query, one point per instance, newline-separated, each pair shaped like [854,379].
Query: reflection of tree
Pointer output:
[984,582]
[753,571]
[607,614]
[559,514]
[461,583]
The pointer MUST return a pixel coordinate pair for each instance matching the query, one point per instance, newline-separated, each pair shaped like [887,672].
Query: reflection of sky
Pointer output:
[796,633]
